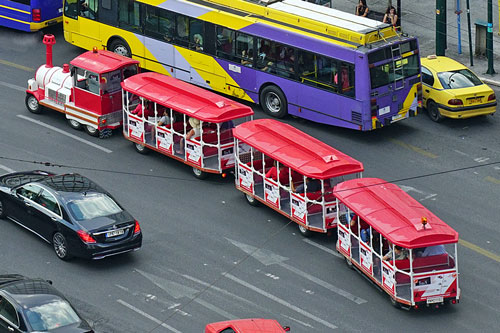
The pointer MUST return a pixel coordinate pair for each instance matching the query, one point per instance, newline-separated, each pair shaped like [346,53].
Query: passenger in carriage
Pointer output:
[432,251]
[139,110]
[313,185]
[165,118]
[399,254]
[194,132]
[284,173]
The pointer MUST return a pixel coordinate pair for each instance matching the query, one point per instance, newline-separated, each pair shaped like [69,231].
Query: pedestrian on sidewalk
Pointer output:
[362,8]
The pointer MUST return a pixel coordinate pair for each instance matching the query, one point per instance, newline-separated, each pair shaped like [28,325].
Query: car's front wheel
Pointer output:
[60,246]
[433,111]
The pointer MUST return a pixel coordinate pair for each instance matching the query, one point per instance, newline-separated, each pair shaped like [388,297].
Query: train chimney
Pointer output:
[65,68]
[49,40]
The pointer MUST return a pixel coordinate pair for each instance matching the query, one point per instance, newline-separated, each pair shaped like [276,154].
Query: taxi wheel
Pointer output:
[433,111]
[304,231]
[74,124]
[92,131]
[2,210]
[251,200]
[199,174]
[32,104]
[141,149]
[60,246]
[273,101]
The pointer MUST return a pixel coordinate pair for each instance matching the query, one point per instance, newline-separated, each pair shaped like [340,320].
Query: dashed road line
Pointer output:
[12,86]
[106,150]
[12,64]
[280,301]
[150,317]
[492,180]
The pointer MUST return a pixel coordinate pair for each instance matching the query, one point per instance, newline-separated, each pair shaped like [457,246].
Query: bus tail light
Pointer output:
[455,101]
[85,237]
[373,107]
[137,228]
[492,97]
[36,15]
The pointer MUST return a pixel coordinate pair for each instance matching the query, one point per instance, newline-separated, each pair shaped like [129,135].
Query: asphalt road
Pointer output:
[199,262]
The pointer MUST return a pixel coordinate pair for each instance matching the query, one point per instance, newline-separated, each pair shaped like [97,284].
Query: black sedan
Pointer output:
[69,211]
[33,305]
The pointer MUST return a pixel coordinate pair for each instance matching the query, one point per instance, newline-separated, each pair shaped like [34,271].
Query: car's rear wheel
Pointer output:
[433,111]
[2,209]
[60,246]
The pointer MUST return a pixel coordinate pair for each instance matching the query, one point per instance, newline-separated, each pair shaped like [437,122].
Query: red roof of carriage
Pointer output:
[102,61]
[394,213]
[296,149]
[186,98]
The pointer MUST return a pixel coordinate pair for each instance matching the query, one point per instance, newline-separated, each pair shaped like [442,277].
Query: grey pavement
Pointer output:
[419,19]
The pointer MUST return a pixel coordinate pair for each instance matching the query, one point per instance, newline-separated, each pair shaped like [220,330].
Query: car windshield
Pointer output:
[93,205]
[51,315]
[461,78]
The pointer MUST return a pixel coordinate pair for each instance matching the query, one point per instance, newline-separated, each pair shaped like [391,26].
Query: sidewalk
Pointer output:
[419,19]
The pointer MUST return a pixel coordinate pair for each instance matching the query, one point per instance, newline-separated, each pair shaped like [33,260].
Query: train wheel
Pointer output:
[74,124]
[273,101]
[140,148]
[395,303]
[304,231]
[120,47]
[91,130]
[32,104]
[433,111]
[199,174]
[251,200]
[348,262]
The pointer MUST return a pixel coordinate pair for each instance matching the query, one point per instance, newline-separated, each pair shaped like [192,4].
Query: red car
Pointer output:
[247,326]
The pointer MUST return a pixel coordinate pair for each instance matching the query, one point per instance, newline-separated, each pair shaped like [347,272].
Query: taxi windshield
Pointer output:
[461,78]
[93,205]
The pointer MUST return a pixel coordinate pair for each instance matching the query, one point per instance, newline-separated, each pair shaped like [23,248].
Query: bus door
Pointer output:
[89,25]
[70,21]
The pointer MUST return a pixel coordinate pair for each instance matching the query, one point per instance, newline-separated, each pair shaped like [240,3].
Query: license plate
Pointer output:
[398,117]
[474,100]
[438,299]
[115,233]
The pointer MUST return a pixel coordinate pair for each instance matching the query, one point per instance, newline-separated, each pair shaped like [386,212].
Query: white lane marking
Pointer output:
[481,159]
[65,133]
[298,321]
[460,152]
[150,317]
[341,292]
[215,309]
[430,196]
[324,248]
[12,86]
[9,170]
[280,301]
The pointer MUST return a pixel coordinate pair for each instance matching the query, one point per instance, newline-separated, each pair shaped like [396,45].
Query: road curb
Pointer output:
[490,81]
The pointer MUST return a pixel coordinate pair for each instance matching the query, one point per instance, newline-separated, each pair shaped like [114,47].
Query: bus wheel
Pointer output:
[304,231]
[91,130]
[433,111]
[74,124]
[251,200]
[140,148]
[199,174]
[273,101]
[120,47]
[32,104]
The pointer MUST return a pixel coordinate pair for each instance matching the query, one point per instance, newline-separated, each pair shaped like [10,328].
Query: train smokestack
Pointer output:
[49,40]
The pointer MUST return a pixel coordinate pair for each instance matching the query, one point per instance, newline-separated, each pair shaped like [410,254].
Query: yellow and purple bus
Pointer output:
[30,15]
[290,56]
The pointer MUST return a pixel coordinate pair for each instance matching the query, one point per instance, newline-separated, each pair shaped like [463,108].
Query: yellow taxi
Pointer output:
[451,90]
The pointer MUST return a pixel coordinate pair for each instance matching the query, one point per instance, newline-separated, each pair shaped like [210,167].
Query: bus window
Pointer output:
[88,9]
[244,49]
[129,15]
[346,79]
[285,66]
[225,38]
[196,34]
[159,23]
[182,30]
[71,8]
